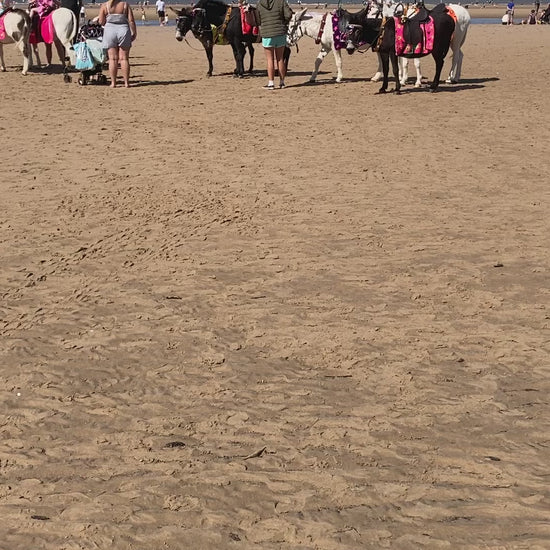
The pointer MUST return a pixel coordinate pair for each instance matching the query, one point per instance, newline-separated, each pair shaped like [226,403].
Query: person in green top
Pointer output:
[274,18]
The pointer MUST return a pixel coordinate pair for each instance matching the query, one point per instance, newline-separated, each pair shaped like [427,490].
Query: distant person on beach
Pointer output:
[274,17]
[120,31]
[532,18]
[161,11]
[510,11]
[537,7]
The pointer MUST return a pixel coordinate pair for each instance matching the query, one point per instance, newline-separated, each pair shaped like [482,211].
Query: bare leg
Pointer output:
[48,54]
[281,64]
[124,56]
[113,65]
[270,60]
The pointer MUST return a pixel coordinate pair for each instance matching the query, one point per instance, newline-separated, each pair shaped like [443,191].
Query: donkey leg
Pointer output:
[251,55]
[24,49]
[34,50]
[419,77]
[208,47]
[318,60]
[2,64]
[438,67]
[395,68]
[338,59]
[403,70]
[60,48]
[238,53]
[456,67]
[385,59]
[379,73]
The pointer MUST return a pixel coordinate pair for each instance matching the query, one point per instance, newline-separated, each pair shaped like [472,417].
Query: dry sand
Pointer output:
[353,287]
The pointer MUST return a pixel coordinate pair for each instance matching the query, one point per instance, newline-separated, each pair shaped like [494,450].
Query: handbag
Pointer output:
[84,57]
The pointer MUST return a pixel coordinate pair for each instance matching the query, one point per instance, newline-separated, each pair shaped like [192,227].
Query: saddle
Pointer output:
[414,35]
[250,21]
[42,29]
[2,27]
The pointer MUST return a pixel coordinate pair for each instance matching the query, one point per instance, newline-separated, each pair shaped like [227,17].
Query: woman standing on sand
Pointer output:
[274,18]
[120,31]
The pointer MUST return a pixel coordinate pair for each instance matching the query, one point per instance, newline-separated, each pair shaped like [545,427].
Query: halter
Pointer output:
[201,29]
[292,38]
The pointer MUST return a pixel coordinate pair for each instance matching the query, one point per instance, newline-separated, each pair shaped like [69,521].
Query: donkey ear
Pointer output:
[301,13]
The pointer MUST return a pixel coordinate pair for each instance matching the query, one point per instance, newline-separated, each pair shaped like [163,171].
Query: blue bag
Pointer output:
[84,58]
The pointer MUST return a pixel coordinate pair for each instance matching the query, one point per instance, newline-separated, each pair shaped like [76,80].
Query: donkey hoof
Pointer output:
[450,81]
[3,69]
[381,91]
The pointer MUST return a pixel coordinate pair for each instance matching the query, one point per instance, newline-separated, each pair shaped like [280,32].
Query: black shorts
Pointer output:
[160,14]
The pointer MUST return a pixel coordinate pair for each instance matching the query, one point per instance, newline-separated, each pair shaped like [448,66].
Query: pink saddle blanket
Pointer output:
[249,21]
[414,50]
[44,30]
[2,28]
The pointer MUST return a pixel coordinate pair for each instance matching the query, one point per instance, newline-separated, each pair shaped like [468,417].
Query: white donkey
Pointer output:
[17,27]
[309,24]
[387,9]
[65,28]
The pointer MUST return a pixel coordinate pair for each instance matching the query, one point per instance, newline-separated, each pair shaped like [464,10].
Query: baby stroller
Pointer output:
[90,55]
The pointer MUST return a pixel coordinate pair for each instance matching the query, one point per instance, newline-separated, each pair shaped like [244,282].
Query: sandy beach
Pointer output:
[311,318]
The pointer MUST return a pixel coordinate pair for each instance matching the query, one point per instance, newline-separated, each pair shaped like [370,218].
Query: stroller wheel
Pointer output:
[81,82]
[66,78]
[101,79]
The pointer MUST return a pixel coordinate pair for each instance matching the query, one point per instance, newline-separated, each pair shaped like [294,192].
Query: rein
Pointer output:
[187,42]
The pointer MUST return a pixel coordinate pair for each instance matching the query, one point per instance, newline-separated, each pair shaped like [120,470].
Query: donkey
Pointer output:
[387,9]
[227,21]
[16,29]
[382,36]
[319,26]
[63,29]
[184,21]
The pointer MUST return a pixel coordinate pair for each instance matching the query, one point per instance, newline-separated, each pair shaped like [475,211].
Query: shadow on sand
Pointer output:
[142,83]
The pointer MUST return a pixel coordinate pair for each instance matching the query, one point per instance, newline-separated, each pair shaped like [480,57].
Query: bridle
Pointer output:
[181,22]
[201,27]
[292,35]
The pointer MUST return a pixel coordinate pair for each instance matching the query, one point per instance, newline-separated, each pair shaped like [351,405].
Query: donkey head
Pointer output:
[184,19]
[200,22]
[294,32]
